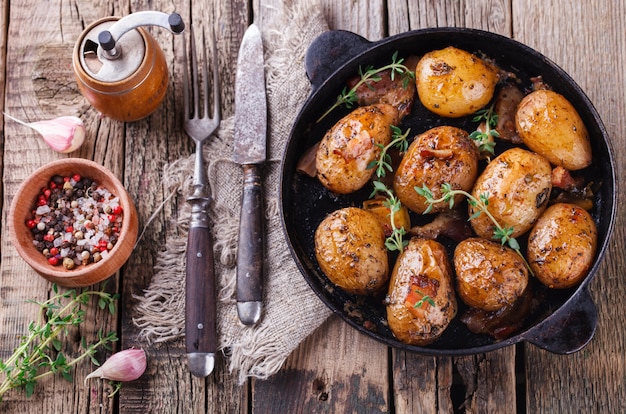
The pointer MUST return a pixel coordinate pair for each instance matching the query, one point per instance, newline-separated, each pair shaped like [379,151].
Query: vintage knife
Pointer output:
[250,151]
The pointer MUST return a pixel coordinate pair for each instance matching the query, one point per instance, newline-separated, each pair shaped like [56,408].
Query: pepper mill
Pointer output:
[119,67]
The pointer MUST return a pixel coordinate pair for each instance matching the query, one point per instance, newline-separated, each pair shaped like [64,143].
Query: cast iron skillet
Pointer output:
[566,320]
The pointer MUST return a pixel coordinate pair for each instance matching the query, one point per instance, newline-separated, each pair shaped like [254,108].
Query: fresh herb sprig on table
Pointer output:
[485,140]
[39,353]
[503,234]
[370,74]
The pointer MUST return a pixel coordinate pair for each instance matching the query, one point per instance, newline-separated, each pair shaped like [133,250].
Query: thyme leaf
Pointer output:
[425,298]
[485,140]
[383,162]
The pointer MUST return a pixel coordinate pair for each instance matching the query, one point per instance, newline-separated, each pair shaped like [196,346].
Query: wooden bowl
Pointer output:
[22,237]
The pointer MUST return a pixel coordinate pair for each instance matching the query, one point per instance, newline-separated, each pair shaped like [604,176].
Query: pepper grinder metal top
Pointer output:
[120,68]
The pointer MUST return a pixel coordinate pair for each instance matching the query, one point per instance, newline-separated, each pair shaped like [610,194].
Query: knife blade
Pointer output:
[250,150]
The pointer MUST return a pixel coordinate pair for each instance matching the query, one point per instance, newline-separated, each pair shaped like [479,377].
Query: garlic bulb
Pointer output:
[127,365]
[64,134]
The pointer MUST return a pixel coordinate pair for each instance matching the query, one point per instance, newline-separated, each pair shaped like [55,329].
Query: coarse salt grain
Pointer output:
[80,205]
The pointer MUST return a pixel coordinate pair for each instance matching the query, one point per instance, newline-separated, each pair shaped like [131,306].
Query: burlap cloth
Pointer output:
[292,311]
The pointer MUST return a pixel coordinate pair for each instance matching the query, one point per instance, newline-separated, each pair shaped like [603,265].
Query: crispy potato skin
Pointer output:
[519,184]
[422,268]
[351,144]
[562,245]
[489,276]
[454,83]
[350,250]
[440,155]
[549,125]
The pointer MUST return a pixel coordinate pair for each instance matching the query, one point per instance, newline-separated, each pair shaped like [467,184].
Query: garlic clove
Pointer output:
[64,134]
[127,365]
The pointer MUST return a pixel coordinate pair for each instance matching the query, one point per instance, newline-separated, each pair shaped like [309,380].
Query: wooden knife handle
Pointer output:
[200,303]
[251,239]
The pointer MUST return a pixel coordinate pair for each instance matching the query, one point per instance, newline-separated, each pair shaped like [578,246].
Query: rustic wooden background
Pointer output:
[337,369]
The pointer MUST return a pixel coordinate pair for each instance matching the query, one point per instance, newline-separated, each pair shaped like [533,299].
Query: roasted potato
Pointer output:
[454,83]
[489,276]
[517,184]
[562,245]
[350,250]
[440,155]
[351,144]
[422,276]
[549,125]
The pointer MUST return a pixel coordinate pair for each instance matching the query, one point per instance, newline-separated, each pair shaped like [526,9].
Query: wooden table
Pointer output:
[336,369]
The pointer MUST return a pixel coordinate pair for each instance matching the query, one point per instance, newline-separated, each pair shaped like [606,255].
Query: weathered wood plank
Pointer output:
[336,370]
[154,141]
[31,70]
[587,40]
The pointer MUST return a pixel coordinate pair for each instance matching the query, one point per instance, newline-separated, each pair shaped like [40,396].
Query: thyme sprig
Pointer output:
[368,75]
[383,162]
[480,205]
[425,299]
[485,140]
[395,242]
[40,354]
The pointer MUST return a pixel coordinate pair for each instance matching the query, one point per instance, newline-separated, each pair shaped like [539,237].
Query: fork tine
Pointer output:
[216,80]
[194,74]
[185,80]
[205,76]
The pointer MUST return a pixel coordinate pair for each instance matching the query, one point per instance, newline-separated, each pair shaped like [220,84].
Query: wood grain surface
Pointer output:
[337,369]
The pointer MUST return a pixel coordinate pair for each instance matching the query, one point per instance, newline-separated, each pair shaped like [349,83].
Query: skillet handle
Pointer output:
[570,329]
[329,51]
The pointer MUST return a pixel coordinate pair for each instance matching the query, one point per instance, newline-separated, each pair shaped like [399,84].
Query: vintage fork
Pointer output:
[200,295]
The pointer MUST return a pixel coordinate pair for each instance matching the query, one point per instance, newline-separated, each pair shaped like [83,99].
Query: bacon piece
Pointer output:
[562,178]
[388,91]
[441,154]
[504,322]
[450,223]
[507,100]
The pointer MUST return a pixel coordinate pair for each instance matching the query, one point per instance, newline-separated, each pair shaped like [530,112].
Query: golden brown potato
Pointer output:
[440,155]
[421,274]
[489,276]
[350,250]
[549,125]
[351,144]
[453,83]
[562,245]
[518,184]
